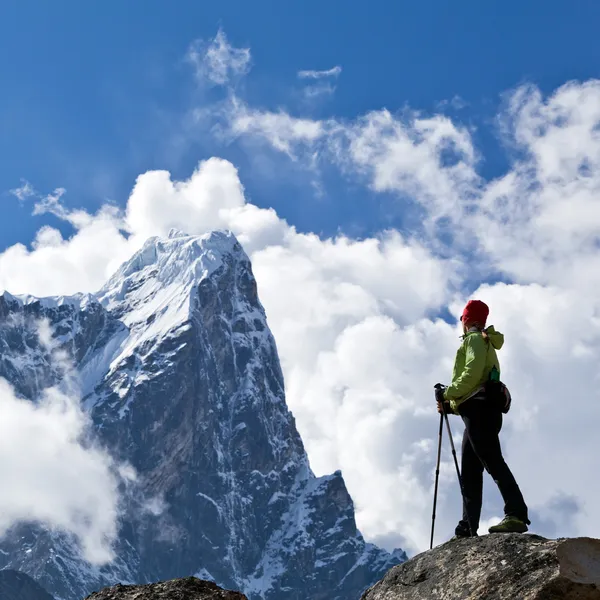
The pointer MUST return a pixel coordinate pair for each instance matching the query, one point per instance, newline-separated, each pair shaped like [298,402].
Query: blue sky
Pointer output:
[92,95]
[495,178]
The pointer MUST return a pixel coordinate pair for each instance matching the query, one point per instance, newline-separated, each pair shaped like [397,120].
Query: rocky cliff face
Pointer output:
[180,375]
[18,586]
[497,567]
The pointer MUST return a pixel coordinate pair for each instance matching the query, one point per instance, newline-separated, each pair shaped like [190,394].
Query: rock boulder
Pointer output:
[189,588]
[497,567]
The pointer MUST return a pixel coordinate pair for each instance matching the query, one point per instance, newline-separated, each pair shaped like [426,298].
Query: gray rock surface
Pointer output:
[181,378]
[497,567]
[189,588]
[19,586]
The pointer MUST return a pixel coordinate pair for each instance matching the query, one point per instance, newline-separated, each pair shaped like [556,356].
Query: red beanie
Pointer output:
[475,311]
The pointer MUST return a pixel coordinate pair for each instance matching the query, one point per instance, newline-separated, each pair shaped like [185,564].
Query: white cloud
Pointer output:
[321,89]
[455,103]
[57,266]
[321,86]
[26,190]
[353,319]
[546,211]
[50,477]
[428,159]
[218,61]
[51,474]
[282,131]
[51,204]
[333,72]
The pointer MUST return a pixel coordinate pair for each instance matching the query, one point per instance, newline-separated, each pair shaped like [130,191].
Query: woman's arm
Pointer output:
[470,378]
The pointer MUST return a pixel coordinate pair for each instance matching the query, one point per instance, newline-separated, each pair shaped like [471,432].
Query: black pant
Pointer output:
[481,449]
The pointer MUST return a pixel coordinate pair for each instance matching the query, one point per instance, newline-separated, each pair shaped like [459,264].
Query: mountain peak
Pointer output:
[179,258]
[176,233]
[152,290]
[180,376]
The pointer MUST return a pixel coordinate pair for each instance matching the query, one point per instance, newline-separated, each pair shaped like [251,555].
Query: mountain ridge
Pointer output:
[181,378]
[15,585]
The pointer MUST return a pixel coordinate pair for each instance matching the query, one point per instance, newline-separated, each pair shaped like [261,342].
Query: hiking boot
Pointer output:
[460,533]
[509,525]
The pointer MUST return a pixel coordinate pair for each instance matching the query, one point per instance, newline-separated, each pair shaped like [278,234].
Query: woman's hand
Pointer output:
[444,407]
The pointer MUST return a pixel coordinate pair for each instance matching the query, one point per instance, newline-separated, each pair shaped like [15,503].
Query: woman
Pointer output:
[466,397]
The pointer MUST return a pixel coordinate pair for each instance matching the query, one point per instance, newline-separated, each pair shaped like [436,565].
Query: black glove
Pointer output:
[439,392]
[439,397]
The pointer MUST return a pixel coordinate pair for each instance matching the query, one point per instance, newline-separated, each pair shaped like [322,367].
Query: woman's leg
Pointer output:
[482,426]
[472,477]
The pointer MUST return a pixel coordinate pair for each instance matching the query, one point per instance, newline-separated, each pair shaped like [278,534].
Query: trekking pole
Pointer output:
[437,477]
[460,481]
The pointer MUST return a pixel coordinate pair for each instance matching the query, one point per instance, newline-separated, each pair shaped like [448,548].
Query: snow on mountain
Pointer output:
[180,375]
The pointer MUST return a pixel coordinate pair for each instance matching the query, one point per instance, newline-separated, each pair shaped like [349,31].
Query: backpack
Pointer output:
[497,392]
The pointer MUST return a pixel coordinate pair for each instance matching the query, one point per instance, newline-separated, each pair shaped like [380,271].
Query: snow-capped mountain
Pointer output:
[180,376]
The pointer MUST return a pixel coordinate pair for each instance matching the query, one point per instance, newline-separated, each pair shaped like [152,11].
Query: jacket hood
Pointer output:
[496,338]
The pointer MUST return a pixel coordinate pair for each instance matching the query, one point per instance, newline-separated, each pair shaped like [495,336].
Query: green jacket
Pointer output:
[474,361]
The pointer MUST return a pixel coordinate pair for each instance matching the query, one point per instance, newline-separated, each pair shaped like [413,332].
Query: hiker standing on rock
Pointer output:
[466,396]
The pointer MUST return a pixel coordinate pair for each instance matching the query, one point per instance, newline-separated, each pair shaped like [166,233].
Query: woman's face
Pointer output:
[466,326]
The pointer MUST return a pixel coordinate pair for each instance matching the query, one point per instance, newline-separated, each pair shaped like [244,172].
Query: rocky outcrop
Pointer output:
[497,567]
[18,586]
[189,588]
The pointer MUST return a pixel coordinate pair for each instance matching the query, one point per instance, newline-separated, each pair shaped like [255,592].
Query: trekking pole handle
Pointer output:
[439,389]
